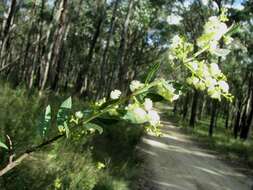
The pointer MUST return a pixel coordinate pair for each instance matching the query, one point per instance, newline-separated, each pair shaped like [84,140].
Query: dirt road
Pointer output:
[174,162]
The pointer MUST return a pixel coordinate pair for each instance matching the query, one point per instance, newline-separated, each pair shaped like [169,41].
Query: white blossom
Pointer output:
[141,113]
[214,69]
[216,27]
[79,114]
[176,40]
[223,85]
[210,82]
[153,117]
[170,87]
[175,97]
[148,104]
[115,94]
[100,102]
[194,65]
[135,85]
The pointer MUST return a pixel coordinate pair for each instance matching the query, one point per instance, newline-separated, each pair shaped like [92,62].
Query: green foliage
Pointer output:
[204,75]
[63,116]
[71,163]
[152,73]
[45,121]
[3,145]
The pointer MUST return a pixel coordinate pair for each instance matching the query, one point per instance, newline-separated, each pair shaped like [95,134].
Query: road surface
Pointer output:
[174,162]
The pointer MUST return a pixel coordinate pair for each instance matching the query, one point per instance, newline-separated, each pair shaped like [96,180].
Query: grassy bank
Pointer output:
[222,141]
[94,162]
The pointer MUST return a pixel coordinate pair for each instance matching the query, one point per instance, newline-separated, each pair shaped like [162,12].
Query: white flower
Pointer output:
[176,40]
[174,19]
[148,104]
[205,71]
[141,113]
[169,87]
[194,65]
[100,102]
[213,45]
[175,97]
[228,40]
[210,82]
[153,117]
[171,57]
[223,85]
[214,69]
[135,85]
[216,27]
[79,115]
[195,81]
[115,94]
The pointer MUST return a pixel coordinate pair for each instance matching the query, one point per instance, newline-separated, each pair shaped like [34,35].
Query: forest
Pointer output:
[126,94]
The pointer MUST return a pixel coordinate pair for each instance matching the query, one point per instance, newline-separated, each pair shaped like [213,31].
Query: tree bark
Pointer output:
[185,107]
[213,116]
[248,112]
[104,60]
[194,108]
[6,31]
[83,73]
[123,47]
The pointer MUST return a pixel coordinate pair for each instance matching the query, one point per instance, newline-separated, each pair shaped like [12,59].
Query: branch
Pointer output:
[12,164]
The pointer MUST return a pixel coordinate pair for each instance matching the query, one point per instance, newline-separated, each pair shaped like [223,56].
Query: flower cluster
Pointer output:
[205,76]
[179,48]
[142,113]
[208,77]
[214,30]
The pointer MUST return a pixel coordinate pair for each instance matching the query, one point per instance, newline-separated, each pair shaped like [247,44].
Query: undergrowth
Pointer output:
[94,162]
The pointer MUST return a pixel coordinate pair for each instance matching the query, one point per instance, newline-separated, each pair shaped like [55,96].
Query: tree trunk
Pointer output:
[123,47]
[248,112]
[194,108]
[227,116]
[55,48]
[6,31]
[185,107]
[213,116]
[237,120]
[103,64]
[37,51]
[83,73]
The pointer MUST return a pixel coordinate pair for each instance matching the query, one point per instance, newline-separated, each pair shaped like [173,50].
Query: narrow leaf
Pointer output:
[3,145]
[45,121]
[221,52]
[152,73]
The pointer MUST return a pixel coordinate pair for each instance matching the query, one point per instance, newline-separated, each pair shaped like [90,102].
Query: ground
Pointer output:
[175,162]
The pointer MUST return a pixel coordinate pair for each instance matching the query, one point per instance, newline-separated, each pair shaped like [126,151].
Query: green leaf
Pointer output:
[67,104]
[45,121]
[221,52]
[152,73]
[164,92]
[154,97]
[92,127]
[235,28]
[3,145]
[63,115]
